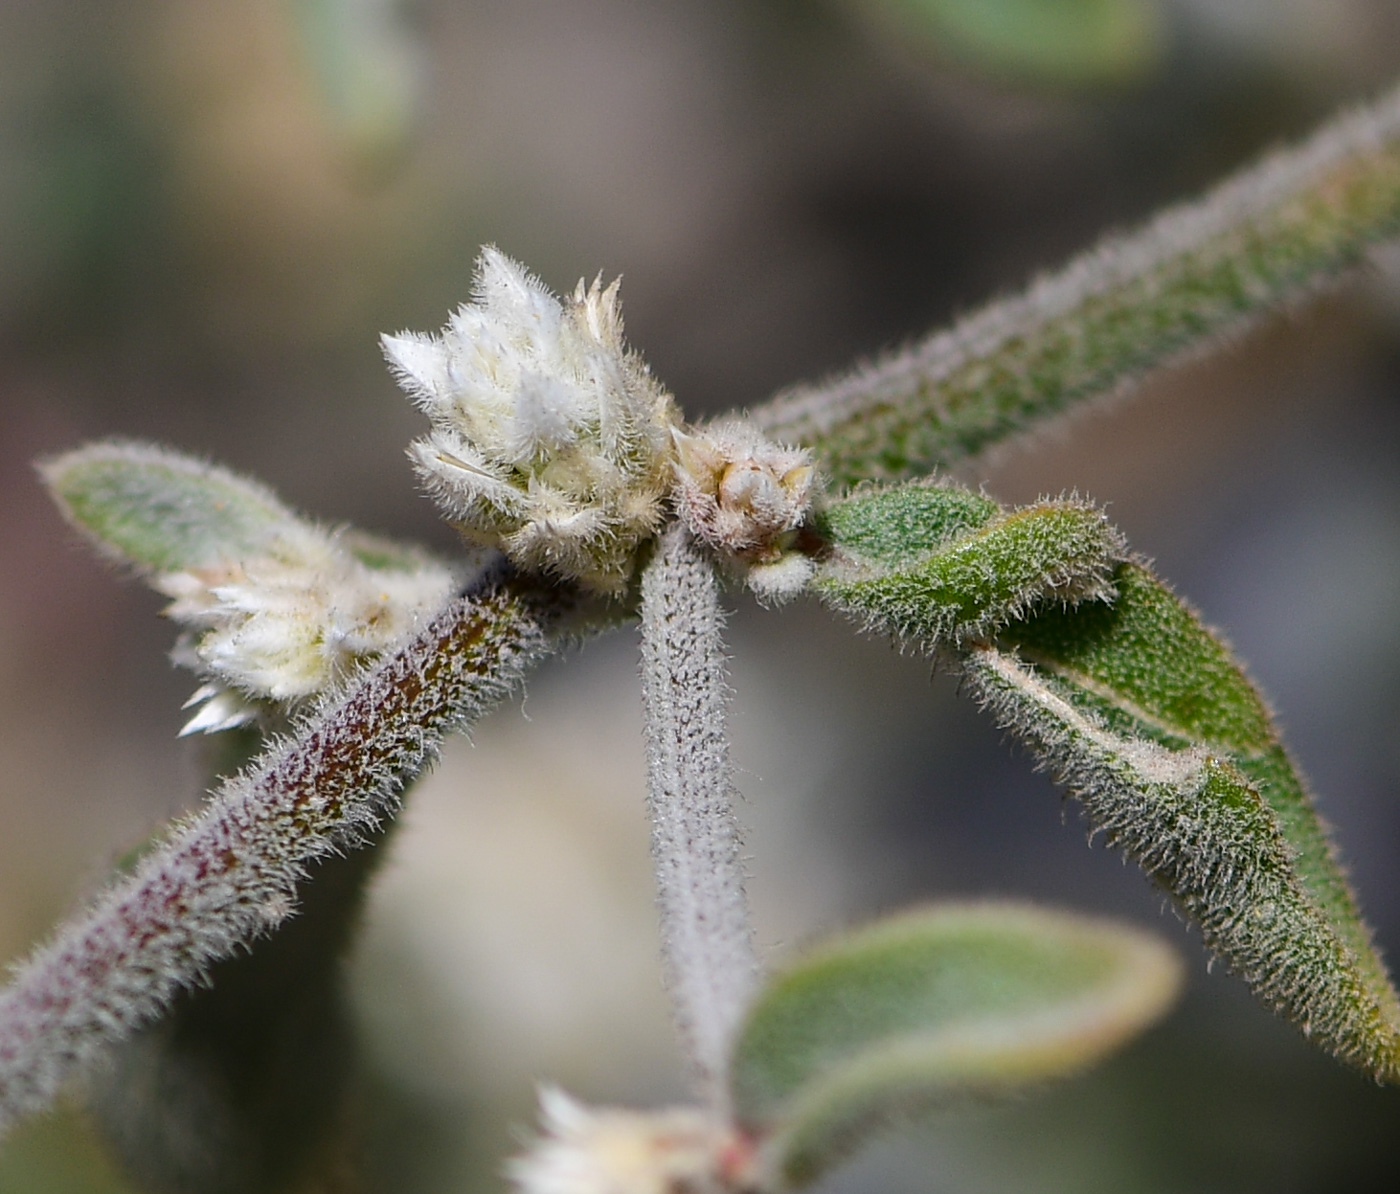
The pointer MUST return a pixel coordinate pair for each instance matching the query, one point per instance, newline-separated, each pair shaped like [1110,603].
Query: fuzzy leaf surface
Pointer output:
[1277,230]
[1147,718]
[219,880]
[922,1008]
[160,510]
[937,564]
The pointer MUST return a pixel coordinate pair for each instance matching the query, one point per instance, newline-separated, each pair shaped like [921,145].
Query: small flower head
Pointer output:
[746,497]
[274,608]
[283,625]
[587,1150]
[549,439]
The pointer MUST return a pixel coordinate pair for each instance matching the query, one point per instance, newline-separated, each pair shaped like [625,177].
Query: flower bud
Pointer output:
[746,497]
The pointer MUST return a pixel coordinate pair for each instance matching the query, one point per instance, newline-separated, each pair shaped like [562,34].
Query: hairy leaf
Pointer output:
[934,1004]
[160,510]
[937,564]
[1148,719]
[1278,229]
[262,1053]
[275,608]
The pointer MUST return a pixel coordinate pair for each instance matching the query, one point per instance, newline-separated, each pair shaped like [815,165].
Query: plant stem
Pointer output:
[247,1081]
[231,873]
[1196,272]
[706,935]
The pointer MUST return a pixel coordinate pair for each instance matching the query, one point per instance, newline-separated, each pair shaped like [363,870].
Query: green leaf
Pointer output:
[1273,233]
[367,66]
[1056,41]
[901,525]
[159,510]
[936,564]
[1147,718]
[932,1005]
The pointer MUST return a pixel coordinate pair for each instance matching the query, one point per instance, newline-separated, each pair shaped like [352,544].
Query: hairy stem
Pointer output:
[706,935]
[231,873]
[1270,234]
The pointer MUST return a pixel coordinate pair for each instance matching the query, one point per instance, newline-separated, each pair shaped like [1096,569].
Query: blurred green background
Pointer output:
[208,211]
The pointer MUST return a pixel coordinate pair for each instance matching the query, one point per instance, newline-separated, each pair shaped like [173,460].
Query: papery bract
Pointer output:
[549,440]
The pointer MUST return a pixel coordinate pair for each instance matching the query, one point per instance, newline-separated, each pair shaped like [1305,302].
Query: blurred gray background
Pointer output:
[208,211]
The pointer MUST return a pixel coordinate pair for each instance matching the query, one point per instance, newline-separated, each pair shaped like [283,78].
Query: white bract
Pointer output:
[549,439]
[285,624]
[554,443]
[609,1150]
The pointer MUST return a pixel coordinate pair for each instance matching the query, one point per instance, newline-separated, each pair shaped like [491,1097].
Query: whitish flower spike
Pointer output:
[607,1150]
[549,439]
[274,608]
[746,497]
[283,625]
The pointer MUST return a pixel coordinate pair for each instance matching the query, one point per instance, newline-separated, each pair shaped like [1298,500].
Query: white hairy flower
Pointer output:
[607,1150]
[746,497]
[549,439]
[284,624]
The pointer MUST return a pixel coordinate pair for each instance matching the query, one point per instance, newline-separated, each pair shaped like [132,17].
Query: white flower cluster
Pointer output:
[285,624]
[549,439]
[746,497]
[554,443]
[607,1150]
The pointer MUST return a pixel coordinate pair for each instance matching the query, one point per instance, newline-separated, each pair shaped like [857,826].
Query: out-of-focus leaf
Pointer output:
[937,564]
[58,1154]
[275,609]
[930,1005]
[162,511]
[1059,41]
[367,68]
